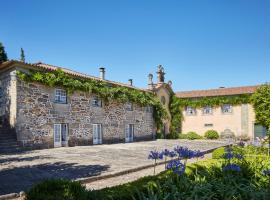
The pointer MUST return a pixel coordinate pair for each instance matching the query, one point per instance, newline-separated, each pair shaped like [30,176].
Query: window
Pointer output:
[226,108]
[149,109]
[207,110]
[208,125]
[96,102]
[60,96]
[190,110]
[97,133]
[129,106]
[163,100]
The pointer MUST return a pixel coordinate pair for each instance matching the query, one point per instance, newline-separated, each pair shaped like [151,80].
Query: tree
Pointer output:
[22,55]
[261,103]
[3,54]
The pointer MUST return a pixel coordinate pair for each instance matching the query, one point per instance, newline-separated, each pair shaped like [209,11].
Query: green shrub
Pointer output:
[182,136]
[190,136]
[193,136]
[218,153]
[211,134]
[60,189]
[160,135]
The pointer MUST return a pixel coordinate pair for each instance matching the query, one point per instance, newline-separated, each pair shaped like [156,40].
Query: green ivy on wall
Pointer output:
[178,104]
[104,90]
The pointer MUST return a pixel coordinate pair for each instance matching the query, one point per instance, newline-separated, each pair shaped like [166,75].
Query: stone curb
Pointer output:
[97,178]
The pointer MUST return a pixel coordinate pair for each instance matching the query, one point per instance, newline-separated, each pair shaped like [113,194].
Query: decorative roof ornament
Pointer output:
[161,74]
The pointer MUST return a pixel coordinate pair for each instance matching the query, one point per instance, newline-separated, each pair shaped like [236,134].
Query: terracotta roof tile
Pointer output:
[217,92]
[45,66]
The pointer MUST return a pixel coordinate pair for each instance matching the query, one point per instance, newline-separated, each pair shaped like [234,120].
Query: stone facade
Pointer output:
[37,113]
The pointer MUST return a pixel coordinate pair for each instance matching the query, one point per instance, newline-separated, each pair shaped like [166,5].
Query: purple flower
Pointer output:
[231,156]
[184,152]
[154,155]
[166,152]
[238,156]
[176,166]
[232,167]
[266,172]
[169,153]
[228,155]
[172,154]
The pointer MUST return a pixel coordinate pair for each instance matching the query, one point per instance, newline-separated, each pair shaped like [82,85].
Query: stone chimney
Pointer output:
[102,73]
[160,74]
[130,82]
[150,81]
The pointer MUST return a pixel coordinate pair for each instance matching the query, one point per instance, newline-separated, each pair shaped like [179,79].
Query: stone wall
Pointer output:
[37,113]
[8,98]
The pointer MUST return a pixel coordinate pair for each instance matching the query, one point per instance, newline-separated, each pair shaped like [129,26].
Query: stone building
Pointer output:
[38,115]
[227,119]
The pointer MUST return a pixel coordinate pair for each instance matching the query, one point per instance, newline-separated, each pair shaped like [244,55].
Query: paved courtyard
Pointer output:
[18,172]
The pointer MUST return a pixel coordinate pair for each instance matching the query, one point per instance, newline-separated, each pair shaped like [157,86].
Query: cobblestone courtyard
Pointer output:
[20,171]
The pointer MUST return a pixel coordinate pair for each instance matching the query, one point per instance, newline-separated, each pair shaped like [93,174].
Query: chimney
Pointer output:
[130,82]
[102,73]
[150,81]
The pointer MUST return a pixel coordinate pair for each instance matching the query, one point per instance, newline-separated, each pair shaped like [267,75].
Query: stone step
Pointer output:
[7,136]
[7,140]
[8,143]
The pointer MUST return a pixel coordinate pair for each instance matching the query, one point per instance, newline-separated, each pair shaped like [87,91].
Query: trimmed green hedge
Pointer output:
[190,136]
[211,134]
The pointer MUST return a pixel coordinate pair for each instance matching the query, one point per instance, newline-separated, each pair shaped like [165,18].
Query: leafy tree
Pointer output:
[22,55]
[261,103]
[3,54]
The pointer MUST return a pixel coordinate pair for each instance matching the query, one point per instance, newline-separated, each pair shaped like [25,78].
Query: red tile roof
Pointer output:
[217,92]
[43,66]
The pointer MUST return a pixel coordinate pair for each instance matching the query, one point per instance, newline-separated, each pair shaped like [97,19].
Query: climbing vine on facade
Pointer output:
[104,90]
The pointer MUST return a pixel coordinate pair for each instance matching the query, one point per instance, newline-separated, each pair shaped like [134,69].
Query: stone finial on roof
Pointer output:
[161,74]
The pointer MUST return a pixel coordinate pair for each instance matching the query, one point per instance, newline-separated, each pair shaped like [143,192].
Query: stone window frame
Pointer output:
[226,110]
[60,96]
[96,102]
[190,111]
[210,111]
[129,106]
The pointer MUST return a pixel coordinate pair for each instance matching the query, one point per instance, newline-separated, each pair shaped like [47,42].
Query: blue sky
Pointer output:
[201,44]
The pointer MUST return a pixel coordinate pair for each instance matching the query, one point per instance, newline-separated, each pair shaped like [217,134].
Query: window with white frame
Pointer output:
[207,110]
[96,102]
[190,110]
[60,96]
[226,108]
[129,106]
